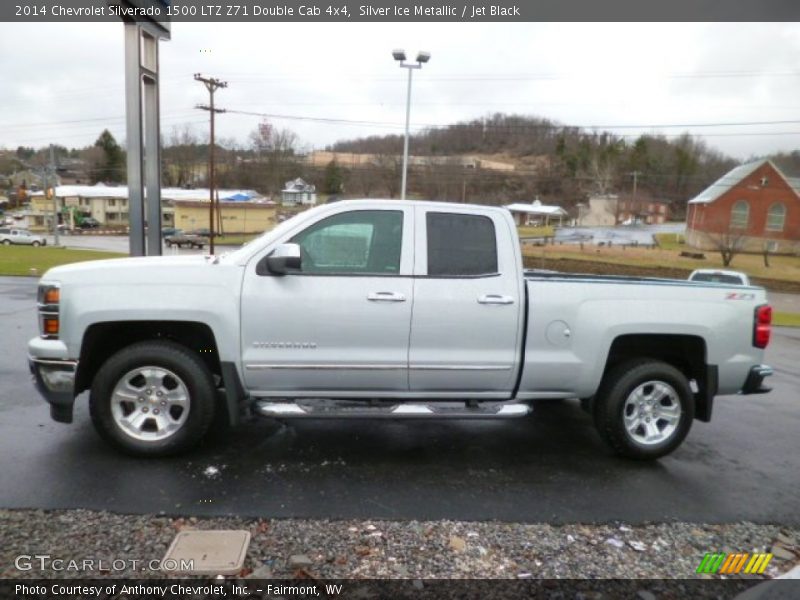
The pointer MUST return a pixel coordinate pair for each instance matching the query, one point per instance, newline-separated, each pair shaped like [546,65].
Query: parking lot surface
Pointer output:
[550,467]
[121,243]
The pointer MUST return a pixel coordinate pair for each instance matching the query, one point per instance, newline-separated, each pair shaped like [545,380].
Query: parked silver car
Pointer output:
[11,235]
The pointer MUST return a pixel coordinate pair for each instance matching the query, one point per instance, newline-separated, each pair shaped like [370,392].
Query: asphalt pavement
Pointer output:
[550,467]
[119,243]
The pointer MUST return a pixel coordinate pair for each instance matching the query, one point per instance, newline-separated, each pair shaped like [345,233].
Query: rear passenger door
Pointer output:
[468,303]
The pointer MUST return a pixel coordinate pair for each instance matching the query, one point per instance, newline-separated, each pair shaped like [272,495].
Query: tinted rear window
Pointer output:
[461,245]
[717,278]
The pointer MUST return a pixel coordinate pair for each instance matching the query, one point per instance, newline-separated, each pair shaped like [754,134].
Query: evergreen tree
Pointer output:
[111,166]
[333,182]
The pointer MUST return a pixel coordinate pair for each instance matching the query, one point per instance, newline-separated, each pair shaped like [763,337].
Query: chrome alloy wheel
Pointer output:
[150,403]
[652,412]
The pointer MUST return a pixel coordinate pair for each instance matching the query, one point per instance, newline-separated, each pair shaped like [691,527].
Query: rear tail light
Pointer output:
[762,326]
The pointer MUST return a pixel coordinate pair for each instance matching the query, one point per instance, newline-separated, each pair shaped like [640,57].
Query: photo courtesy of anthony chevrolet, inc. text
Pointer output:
[399,299]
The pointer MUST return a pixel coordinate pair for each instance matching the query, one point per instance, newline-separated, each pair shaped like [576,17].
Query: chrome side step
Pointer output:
[353,410]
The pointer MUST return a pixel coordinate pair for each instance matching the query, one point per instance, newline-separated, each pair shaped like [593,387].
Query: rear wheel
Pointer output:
[36,244]
[153,399]
[644,409]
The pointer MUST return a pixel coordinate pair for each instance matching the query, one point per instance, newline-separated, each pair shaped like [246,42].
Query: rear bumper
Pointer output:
[55,381]
[754,384]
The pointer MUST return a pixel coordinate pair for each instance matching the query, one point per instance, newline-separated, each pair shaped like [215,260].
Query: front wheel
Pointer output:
[644,409]
[153,399]
[6,242]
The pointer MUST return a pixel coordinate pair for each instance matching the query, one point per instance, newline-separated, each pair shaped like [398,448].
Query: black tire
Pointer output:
[35,244]
[192,373]
[610,406]
[6,242]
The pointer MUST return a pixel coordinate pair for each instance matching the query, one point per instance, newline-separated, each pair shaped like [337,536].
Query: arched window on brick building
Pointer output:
[776,217]
[740,215]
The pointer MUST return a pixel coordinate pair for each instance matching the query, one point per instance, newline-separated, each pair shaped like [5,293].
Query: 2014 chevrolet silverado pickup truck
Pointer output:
[378,308]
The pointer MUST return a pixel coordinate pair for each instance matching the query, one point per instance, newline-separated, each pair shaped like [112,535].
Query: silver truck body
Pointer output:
[406,334]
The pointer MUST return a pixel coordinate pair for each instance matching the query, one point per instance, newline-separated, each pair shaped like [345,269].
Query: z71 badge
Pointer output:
[740,296]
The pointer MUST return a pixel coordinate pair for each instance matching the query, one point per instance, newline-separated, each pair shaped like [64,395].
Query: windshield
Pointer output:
[718,278]
[262,240]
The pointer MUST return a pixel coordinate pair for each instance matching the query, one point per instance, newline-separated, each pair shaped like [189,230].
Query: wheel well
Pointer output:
[102,340]
[687,353]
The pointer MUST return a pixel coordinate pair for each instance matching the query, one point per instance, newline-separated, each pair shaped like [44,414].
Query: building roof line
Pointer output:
[736,175]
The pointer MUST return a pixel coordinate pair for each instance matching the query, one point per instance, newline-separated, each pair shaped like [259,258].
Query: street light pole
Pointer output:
[405,141]
[422,57]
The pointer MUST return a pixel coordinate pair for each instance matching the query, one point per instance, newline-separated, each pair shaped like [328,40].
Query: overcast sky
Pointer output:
[593,74]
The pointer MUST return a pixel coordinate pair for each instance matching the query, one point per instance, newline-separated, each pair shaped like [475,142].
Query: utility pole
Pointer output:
[52,169]
[212,85]
[45,172]
[634,205]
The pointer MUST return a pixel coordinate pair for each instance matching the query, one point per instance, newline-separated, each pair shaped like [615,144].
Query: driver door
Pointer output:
[340,325]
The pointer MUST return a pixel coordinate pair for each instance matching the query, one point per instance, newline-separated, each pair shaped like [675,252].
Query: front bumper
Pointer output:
[754,384]
[55,381]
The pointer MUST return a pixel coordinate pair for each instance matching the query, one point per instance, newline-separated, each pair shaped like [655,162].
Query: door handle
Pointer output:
[386,297]
[495,299]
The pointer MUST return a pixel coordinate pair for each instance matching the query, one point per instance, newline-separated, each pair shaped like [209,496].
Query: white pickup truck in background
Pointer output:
[380,308]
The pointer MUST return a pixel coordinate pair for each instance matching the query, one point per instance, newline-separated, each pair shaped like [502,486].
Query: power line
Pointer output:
[504,127]
[498,128]
[6,126]
[470,77]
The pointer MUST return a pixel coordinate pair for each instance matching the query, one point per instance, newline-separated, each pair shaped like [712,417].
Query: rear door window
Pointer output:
[461,245]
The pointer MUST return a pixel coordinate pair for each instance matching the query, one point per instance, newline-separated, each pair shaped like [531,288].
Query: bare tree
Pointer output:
[182,156]
[364,179]
[729,242]
[274,156]
[765,250]
[389,166]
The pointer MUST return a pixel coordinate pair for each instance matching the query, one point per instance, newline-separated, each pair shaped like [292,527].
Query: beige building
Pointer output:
[600,211]
[237,217]
[242,211]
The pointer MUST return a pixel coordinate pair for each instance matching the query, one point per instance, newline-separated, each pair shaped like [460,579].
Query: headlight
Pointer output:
[48,299]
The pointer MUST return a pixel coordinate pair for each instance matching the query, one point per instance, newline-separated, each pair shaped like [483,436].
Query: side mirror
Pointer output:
[283,259]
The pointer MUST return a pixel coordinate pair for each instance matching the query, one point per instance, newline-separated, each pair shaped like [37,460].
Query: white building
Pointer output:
[298,193]
[600,212]
[536,213]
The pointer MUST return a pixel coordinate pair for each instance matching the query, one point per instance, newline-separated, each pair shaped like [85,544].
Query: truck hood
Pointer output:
[129,269]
